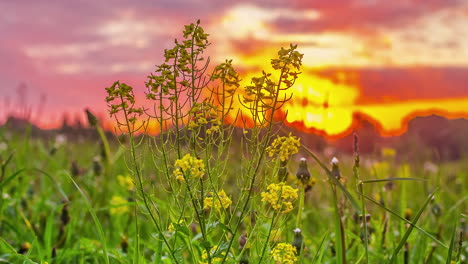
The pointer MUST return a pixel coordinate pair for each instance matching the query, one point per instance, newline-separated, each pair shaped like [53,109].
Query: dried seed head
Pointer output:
[356,151]
[303,173]
[298,240]
[334,161]
[335,169]
[65,216]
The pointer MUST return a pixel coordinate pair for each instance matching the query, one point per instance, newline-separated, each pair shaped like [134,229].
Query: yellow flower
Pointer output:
[189,166]
[211,201]
[284,147]
[126,182]
[280,196]
[214,260]
[118,205]
[284,253]
[171,227]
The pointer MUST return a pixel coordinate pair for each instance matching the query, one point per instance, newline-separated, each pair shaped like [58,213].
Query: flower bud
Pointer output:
[303,173]
[335,169]
[298,240]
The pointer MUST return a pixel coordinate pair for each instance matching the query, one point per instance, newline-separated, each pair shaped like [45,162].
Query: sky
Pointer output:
[385,60]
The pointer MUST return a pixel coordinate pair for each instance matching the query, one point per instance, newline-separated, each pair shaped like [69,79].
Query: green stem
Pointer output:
[301,206]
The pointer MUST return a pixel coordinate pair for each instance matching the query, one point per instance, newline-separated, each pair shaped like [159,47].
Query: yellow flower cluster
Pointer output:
[280,196]
[205,113]
[211,201]
[118,205]
[190,166]
[126,182]
[214,260]
[284,147]
[284,253]
[172,228]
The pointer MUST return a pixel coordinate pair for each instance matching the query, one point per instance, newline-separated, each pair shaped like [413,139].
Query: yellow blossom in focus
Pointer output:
[118,204]
[189,166]
[214,260]
[126,182]
[284,147]
[211,201]
[284,253]
[280,196]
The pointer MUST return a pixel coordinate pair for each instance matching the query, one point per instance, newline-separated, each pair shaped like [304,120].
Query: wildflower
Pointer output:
[189,165]
[214,258]
[171,227]
[179,175]
[118,205]
[126,182]
[284,253]
[284,147]
[280,196]
[217,202]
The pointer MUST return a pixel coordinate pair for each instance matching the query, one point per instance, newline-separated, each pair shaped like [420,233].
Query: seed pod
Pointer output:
[335,169]
[65,216]
[92,120]
[298,240]
[242,241]
[303,173]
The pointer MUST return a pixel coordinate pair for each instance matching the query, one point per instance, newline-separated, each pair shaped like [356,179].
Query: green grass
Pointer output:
[36,186]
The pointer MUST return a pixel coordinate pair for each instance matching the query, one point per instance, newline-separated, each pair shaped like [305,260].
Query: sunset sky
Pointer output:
[386,60]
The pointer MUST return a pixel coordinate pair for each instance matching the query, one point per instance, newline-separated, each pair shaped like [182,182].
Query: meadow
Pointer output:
[219,179]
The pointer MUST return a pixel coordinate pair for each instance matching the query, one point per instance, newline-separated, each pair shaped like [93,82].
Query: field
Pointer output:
[214,186]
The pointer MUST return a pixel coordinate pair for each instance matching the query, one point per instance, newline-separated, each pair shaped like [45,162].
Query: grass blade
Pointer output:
[319,249]
[452,242]
[410,228]
[95,219]
[405,220]
[10,178]
[393,179]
